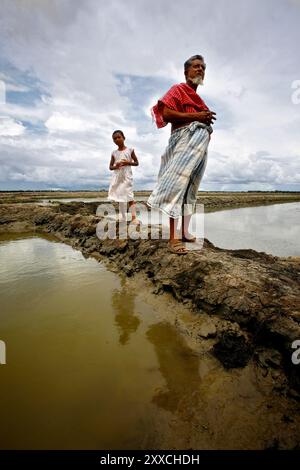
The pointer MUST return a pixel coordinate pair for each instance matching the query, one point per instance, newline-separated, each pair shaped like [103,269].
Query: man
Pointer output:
[184,160]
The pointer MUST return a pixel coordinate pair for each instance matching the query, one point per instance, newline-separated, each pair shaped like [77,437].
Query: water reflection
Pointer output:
[123,305]
[179,367]
[80,371]
[90,365]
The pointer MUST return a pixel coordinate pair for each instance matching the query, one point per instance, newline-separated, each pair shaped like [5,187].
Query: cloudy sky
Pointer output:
[72,71]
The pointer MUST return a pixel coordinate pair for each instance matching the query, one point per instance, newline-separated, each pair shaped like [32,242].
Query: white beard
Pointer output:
[197,80]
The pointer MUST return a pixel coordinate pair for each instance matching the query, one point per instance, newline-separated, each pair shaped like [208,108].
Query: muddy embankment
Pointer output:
[252,299]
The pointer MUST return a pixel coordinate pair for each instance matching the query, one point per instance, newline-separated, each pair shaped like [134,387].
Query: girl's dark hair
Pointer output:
[118,132]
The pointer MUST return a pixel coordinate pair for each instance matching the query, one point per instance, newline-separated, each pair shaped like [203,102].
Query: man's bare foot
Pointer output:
[176,246]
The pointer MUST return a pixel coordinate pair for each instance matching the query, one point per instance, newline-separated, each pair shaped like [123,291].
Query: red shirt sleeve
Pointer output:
[172,99]
[180,98]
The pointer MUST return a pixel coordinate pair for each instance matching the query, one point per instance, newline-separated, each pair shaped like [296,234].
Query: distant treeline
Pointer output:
[103,190]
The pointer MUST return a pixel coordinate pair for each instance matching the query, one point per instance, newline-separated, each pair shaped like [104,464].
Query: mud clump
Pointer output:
[232,350]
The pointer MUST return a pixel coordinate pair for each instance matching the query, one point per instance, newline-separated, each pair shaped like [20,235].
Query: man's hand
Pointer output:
[207,117]
[177,117]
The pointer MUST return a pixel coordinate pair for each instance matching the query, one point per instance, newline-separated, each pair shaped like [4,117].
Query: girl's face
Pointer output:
[118,139]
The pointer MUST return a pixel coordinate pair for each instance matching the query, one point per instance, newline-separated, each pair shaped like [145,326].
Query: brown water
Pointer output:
[95,361]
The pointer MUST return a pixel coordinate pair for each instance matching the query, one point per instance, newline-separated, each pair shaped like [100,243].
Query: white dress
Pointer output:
[121,186]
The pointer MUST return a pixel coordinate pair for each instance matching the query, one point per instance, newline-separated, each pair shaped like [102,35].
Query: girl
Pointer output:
[121,186]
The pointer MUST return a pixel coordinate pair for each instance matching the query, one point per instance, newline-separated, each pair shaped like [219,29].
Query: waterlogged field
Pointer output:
[94,360]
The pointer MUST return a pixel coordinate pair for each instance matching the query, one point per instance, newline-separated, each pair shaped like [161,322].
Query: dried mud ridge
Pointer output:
[255,295]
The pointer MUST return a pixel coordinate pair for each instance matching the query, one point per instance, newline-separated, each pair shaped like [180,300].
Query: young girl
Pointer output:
[121,186]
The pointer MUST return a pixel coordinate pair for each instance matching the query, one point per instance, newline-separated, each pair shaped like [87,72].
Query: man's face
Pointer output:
[196,72]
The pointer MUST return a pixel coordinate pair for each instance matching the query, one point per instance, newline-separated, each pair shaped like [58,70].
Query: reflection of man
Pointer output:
[184,160]
[126,320]
[179,367]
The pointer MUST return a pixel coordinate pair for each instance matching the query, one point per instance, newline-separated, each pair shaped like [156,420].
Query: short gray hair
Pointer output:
[189,62]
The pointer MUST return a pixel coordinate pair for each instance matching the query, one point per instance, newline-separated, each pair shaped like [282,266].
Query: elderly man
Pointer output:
[184,160]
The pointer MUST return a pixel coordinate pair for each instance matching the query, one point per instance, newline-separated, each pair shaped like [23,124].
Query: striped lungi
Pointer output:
[182,167]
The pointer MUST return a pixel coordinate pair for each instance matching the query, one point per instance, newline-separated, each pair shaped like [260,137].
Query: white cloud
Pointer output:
[75,49]
[62,122]
[10,128]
